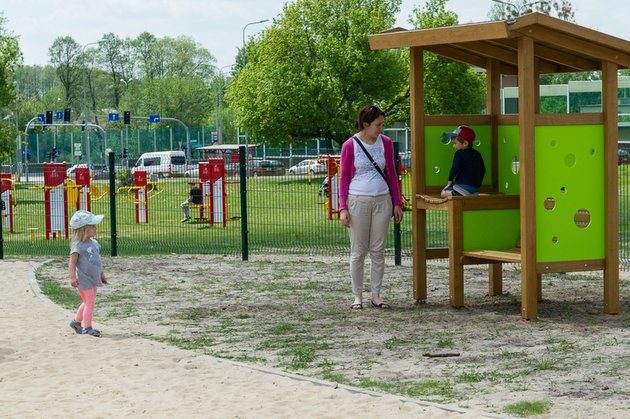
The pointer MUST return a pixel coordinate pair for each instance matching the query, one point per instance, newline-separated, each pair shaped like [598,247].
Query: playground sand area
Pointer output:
[292,313]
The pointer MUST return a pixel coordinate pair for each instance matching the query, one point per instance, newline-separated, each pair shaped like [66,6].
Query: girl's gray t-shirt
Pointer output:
[89,267]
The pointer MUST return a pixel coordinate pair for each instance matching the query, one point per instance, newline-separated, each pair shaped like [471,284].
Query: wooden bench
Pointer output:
[455,207]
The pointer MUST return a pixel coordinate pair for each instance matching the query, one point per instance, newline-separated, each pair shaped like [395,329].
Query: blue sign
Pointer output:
[41,117]
[59,115]
[215,136]
[154,118]
[114,116]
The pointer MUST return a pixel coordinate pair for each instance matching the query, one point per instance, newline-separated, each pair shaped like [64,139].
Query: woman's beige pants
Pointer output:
[369,225]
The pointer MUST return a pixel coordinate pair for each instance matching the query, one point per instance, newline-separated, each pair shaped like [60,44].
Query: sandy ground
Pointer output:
[292,313]
[46,370]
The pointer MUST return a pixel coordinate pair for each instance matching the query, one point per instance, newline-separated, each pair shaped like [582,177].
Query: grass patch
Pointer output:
[282,329]
[528,408]
[393,342]
[186,343]
[194,314]
[66,297]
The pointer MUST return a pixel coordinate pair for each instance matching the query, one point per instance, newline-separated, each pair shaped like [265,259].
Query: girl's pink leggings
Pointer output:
[84,313]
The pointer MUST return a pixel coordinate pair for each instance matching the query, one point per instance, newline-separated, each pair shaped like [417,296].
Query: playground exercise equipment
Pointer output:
[7,191]
[332,186]
[333,164]
[79,190]
[139,195]
[212,184]
[55,199]
[141,191]
[556,209]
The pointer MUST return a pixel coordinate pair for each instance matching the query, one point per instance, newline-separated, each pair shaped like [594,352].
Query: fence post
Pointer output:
[242,158]
[112,202]
[1,238]
[397,238]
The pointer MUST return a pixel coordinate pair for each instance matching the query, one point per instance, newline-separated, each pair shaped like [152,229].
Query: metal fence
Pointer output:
[285,213]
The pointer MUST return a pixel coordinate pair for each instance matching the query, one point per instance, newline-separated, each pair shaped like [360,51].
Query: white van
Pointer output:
[162,163]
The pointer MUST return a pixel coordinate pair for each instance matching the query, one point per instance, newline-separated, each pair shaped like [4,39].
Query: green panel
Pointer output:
[491,229]
[569,170]
[509,158]
[439,157]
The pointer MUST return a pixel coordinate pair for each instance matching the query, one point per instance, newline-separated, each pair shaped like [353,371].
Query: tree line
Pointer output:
[303,77]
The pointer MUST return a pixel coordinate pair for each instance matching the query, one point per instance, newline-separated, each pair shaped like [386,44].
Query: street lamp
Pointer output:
[85,118]
[519,9]
[220,102]
[252,23]
[126,83]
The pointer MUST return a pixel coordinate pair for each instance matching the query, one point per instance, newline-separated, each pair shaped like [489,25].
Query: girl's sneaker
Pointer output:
[76,326]
[89,331]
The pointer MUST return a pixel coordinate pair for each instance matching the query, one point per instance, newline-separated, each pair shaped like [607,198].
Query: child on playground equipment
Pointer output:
[195,197]
[468,170]
[85,268]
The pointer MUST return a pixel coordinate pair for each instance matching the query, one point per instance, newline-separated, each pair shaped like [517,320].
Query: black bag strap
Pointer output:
[369,156]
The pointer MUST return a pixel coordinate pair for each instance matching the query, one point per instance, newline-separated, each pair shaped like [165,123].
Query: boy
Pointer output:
[468,170]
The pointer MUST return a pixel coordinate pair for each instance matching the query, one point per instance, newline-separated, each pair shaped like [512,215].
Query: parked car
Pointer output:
[266,167]
[623,156]
[306,166]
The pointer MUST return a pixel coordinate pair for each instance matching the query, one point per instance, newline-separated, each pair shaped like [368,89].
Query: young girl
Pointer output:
[86,271]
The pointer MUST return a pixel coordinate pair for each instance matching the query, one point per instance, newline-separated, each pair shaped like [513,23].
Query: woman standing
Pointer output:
[368,190]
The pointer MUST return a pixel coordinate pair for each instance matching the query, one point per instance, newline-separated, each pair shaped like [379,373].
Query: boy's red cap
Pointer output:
[464,132]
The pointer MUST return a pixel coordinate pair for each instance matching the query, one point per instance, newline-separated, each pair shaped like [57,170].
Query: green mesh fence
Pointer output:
[287,213]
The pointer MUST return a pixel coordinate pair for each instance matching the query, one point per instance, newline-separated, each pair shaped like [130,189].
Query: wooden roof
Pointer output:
[560,46]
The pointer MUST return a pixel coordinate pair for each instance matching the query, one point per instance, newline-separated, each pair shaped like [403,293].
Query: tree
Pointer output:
[309,73]
[10,58]
[451,87]
[66,57]
[562,9]
[115,57]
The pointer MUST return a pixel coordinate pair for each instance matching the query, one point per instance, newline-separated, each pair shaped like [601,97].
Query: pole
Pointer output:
[397,235]
[112,202]
[85,116]
[242,152]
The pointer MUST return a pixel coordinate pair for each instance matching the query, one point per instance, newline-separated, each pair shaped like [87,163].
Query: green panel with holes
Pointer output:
[509,159]
[491,229]
[439,156]
[569,192]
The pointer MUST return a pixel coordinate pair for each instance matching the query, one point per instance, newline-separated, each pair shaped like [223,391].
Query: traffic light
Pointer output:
[124,153]
[127,117]
[54,153]
[49,116]
[83,125]
[67,114]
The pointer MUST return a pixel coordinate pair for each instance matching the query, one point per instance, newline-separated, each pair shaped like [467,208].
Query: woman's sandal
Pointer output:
[89,331]
[381,305]
[76,326]
[356,306]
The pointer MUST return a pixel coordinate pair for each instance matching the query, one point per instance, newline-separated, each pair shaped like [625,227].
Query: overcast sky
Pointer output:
[218,24]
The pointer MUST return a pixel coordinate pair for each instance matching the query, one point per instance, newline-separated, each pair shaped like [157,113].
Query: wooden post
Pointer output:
[526,119]
[455,246]
[418,181]
[495,283]
[493,108]
[609,109]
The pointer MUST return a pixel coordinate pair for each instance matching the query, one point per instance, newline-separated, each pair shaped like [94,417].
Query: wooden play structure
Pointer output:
[549,199]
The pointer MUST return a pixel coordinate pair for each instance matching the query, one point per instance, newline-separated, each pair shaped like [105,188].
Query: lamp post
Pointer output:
[86,135]
[220,102]
[519,9]
[252,23]
[126,82]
